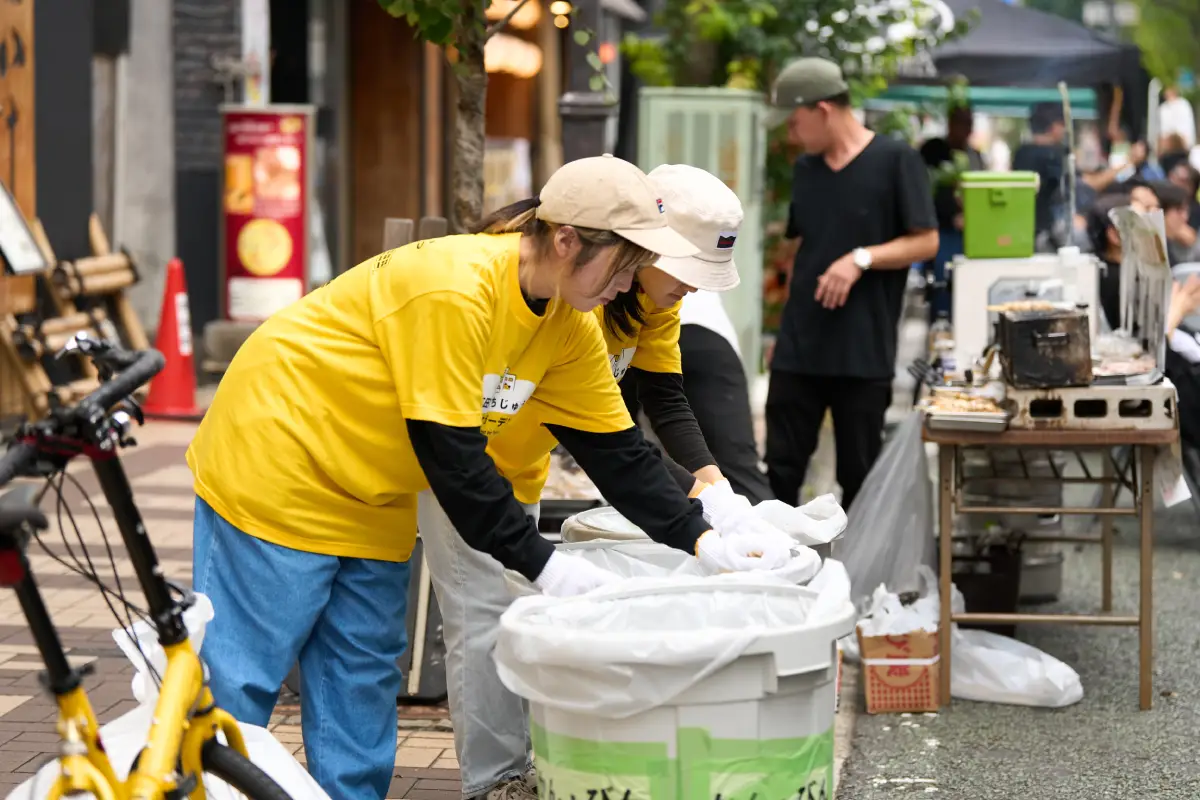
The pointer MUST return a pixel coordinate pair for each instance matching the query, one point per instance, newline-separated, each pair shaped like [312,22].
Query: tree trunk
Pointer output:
[469,133]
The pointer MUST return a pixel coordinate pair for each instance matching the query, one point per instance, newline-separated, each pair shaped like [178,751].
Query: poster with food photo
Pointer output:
[265,208]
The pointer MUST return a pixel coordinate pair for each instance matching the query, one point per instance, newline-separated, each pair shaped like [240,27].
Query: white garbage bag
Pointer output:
[985,666]
[125,736]
[817,522]
[892,519]
[629,647]
[991,668]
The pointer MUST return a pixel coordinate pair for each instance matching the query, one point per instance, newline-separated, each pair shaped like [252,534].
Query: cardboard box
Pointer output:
[900,673]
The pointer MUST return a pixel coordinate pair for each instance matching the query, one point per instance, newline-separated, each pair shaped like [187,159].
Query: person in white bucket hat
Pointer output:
[709,215]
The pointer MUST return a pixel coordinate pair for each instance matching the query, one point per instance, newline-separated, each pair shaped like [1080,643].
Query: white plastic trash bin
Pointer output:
[690,689]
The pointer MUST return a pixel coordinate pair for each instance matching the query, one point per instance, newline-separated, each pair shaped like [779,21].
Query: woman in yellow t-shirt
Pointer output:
[341,408]
[639,330]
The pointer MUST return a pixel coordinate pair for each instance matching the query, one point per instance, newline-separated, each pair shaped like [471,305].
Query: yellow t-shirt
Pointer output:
[522,451]
[305,443]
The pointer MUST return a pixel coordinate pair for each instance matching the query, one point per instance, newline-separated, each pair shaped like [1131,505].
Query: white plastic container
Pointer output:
[687,690]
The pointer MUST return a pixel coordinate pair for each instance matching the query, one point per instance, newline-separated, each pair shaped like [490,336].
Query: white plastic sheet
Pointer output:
[125,736]
[891,521]
[991,668]
[647,559]
[817,522]
[626,648]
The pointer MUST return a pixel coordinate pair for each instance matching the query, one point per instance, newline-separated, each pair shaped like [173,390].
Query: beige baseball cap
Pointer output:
[708,214]
[610,194]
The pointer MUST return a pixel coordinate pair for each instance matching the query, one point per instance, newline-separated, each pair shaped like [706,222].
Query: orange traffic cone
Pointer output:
[173,391]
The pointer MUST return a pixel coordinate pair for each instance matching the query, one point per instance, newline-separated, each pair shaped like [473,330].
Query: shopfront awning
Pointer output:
[1001,101]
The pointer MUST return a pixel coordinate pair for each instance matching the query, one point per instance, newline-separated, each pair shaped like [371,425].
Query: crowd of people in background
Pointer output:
[1131,174]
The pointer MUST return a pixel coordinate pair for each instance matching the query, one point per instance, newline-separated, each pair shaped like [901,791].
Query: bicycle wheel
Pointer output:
[239,772]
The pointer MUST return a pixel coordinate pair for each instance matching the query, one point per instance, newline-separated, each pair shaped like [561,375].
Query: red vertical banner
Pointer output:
[265,208]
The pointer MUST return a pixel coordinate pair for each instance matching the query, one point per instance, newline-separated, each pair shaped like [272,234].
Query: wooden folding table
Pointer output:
[1038,443]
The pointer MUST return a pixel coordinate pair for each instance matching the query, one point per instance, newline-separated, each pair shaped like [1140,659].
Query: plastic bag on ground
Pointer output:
[818,522]
[626,648]
[891,521]
[125,736]
[991,668]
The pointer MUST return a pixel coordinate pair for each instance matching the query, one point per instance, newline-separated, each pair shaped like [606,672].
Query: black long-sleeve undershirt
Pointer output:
[661,396]
[480,503]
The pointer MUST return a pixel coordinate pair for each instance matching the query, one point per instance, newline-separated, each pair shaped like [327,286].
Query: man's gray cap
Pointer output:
[804,82]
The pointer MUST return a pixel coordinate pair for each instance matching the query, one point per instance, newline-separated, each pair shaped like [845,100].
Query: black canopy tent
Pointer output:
[1011,45]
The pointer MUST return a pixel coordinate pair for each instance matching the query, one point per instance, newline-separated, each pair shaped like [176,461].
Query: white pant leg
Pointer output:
[491,724]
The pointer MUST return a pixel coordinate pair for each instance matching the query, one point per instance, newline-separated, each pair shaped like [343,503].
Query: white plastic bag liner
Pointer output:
[991,668]
[627,648]
[125,736]
[647,559]
[832,585]
[892,523]
[817,522]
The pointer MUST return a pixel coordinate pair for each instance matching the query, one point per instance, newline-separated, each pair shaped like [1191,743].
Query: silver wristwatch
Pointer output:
[862,258]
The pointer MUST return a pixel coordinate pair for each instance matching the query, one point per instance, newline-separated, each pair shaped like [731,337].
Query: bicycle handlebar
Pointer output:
[13,461]
[144,366]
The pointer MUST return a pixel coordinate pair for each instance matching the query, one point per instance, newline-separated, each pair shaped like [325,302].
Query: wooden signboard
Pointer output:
[17,293]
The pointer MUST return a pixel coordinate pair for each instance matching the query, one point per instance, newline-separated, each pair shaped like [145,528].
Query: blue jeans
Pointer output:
[342,618]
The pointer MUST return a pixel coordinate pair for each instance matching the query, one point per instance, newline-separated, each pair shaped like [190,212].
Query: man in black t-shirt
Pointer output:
[1045,154]
[863,212]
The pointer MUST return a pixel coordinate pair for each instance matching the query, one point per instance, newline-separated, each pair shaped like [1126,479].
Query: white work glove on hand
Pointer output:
[732,516]
[567,576]
[726,511]
[743,552]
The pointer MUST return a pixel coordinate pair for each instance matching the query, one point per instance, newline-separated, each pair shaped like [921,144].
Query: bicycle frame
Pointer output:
[185,716]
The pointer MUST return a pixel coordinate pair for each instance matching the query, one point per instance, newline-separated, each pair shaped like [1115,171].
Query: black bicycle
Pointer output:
[184,742]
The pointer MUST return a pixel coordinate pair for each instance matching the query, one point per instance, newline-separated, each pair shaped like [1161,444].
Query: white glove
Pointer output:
[732,516]
[567,576]
[743,552]
[723,509]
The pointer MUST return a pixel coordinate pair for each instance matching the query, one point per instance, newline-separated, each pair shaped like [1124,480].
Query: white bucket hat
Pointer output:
[707,213]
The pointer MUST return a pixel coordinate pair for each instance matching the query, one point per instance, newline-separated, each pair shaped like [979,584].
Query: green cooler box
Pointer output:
[998,214]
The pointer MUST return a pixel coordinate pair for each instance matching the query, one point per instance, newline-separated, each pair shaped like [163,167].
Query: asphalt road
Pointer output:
[1103,747]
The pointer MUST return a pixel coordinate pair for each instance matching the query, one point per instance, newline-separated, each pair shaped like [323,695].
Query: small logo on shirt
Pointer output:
[661,208]
[620,363]
[725,241]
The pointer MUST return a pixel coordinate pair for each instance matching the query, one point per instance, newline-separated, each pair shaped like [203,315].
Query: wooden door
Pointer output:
[387,169]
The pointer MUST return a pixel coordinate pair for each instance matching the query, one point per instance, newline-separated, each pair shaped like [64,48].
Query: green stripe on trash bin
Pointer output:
[755,769]
[584,769]
[706,768]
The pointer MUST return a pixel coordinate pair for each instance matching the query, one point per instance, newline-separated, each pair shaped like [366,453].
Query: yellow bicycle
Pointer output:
[183,744]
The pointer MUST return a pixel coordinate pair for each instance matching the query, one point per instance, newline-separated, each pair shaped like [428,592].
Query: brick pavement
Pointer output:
[426,768]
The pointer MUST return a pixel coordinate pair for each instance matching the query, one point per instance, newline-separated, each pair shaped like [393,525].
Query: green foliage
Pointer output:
[1169,36]
[754,39]
[434,20]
